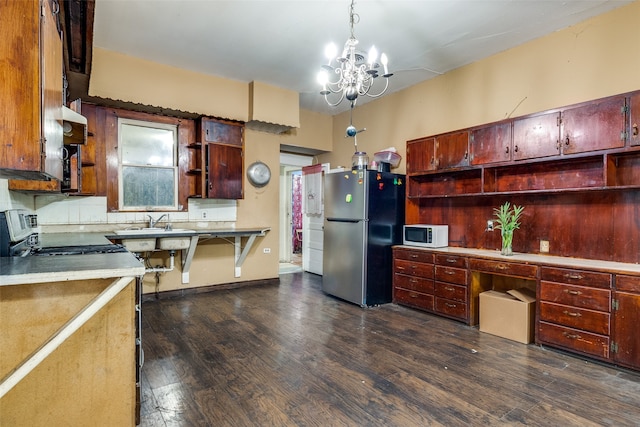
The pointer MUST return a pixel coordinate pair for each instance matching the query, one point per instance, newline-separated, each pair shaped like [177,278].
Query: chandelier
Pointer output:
[351,76]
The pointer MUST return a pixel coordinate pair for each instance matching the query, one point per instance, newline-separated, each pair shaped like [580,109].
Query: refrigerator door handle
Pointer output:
[343,220]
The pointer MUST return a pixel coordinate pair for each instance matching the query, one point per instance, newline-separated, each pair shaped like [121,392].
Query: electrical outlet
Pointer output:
[204,214]
[489,225]
[266,250]
[544,246]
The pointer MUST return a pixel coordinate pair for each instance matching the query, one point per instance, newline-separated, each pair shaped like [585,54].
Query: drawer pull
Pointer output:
[571,292]
[413,281]
[574,276]
[414,256]
[412,295]
[451,260]
[571,336]
[450,305]
[502,267]
[572,314]
[449,288]
[449,272]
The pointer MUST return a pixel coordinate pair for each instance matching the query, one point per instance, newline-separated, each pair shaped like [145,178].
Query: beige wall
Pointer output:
[594,59]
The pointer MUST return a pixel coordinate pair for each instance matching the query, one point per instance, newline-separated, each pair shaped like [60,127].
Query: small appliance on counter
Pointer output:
[426,236]
[19,234]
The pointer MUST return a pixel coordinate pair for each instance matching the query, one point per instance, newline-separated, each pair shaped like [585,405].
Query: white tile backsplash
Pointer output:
[71,210]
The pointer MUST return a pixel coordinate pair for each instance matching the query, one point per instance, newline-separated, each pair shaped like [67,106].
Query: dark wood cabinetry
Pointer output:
[625,346]
[421,155]
[452,150]
[590,146]
[575,310]
[536,136]
[596,126]
[491,144]
[217,159]
[591,312]
[413,274]
[31,91]
[634,119]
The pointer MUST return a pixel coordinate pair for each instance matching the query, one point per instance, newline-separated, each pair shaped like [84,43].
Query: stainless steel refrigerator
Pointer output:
[364,214]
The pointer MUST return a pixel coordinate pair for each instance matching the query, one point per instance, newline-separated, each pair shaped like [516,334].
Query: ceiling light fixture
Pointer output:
[355,77]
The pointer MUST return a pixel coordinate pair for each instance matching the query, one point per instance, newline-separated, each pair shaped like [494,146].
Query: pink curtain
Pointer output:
[296,212]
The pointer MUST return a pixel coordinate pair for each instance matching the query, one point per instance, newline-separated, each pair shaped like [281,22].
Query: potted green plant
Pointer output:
[508,221]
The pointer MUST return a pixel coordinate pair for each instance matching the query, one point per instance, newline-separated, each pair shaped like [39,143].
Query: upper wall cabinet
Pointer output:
[590,146]
[634,119]
[452,150]
[30,90]
[595,126]
[217,159]
[536,136]
[491,144]
[421,155]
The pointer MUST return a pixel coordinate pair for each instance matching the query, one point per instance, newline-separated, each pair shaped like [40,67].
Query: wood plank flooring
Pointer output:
[289,355]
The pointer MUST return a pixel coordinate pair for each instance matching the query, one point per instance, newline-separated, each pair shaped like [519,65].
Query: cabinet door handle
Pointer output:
[566,142]
[515,148]
[634,129]
[450,305]
[400,268]
[571,336]
[506,150]
[572,314]
[449,288]
[451,260]
[574,276]
[571,292]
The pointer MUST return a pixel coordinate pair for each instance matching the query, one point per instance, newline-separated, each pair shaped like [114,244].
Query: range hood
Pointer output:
[74,126]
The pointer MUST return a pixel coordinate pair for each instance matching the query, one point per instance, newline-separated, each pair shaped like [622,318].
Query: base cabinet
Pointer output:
[593,313]
[625,346]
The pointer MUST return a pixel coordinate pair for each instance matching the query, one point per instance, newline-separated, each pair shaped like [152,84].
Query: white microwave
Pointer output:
[426,236]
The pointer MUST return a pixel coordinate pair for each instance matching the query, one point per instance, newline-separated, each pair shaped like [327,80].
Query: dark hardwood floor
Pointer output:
[288,355]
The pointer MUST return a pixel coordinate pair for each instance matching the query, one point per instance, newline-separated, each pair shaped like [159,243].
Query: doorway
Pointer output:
[291,254]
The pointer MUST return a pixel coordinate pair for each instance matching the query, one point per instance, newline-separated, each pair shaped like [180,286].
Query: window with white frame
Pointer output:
[148,165]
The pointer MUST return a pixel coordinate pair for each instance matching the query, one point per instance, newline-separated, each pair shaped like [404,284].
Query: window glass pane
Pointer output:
[148,187]
[142,145]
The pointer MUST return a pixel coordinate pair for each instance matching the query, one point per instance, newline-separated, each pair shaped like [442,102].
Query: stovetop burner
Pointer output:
[79,250]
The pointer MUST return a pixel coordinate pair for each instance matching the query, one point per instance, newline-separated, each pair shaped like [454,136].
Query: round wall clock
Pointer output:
[259,174]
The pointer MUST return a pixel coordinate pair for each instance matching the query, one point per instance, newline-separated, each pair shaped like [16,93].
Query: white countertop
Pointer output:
[43,269]
[557,261]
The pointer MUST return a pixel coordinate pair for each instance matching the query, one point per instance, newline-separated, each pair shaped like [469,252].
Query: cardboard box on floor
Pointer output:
[509,315]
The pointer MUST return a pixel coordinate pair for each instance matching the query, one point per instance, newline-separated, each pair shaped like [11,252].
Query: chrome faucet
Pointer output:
[154,222]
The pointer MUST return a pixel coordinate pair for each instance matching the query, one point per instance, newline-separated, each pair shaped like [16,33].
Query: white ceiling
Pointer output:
[282,42]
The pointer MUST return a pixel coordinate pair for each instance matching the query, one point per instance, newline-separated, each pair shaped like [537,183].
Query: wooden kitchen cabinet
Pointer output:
[31,90]
[575,310]
[452,150]
[634,119]
[217,159]
[421,155]
[595,126]
[625,345]
[536,136]
[451,287]
[413,274]
[491,144]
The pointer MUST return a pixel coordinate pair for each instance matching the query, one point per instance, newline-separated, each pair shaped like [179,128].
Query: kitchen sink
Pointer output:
[151,239]
[155,231]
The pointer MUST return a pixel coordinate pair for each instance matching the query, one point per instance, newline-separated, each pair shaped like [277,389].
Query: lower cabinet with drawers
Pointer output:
[590,311]
[575,310]
[413,283]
